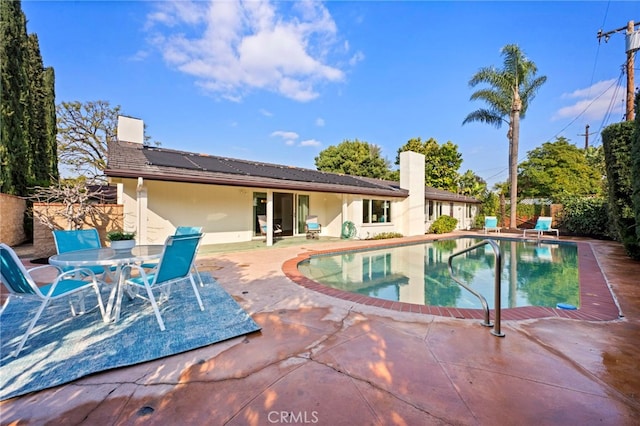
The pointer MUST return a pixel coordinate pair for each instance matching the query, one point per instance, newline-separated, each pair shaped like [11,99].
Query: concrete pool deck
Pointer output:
[329,361]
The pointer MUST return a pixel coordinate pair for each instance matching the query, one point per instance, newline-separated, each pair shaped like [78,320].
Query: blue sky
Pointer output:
[281,81]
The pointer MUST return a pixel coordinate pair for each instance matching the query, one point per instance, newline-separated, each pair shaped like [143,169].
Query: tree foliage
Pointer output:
[41,125]
[471,184]
[586,216]
[490,206]
[27,141]
[441,162]
[84,131]
[558,169]
[635,166]
[616,140]
[508,93]
[356,158]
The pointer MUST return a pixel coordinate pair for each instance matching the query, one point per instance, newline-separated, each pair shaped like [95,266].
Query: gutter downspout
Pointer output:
[141,216]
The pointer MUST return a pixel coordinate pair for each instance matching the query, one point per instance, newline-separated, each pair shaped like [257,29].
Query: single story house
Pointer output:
[161,189]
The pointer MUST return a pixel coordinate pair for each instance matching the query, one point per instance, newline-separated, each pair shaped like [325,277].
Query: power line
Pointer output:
[632,45]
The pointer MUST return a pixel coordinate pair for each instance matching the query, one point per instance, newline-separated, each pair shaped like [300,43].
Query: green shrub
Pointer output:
[616,141]
[120,235]
[385,235]
[443,224]
[635,167]
[490,207]
[586,216]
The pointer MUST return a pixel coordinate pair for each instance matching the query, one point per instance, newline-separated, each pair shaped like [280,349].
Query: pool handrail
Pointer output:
[497,290]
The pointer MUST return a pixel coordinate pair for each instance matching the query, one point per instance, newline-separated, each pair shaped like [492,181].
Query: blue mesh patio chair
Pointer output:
[191,230]
[275,231]
[491,224]
[188,230]
[183,230]
[18,280]
[312,227]
[175,266]
[543,224]
[80,239]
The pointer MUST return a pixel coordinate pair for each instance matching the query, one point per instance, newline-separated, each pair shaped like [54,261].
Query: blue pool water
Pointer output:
[533,273]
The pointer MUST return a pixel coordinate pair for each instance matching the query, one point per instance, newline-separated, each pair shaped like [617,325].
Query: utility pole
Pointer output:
[630,85]
[632,44]
[586,137]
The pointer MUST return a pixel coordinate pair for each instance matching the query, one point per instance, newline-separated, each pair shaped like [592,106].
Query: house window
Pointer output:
[435,210]
[469,211]
[376,211]
[451,209]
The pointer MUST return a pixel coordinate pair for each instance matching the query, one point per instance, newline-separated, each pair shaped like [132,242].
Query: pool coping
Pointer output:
[597,302]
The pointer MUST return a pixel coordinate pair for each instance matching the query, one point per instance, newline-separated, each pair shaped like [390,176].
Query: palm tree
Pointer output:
[511,90]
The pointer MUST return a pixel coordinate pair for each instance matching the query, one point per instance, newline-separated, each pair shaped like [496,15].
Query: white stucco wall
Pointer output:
[459,212]
[412,179]
[225,213]
[367,230]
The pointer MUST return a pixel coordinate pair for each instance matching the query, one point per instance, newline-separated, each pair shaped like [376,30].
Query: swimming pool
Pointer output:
[534,273]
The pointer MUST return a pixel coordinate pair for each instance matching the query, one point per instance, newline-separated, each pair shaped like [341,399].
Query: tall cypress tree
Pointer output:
[13,146]
[35,114]
[28,149]
[51,129]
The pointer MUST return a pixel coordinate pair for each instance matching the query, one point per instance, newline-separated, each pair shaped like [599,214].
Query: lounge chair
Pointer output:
[80,239]
[21,285]
[491,224]
[543,224]
[312,227]
[262,220]
[176,265]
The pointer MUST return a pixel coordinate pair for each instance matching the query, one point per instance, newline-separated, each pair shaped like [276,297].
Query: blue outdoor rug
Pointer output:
[63,348]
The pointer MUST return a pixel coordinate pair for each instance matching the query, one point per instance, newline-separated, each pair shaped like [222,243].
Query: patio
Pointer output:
[322,360]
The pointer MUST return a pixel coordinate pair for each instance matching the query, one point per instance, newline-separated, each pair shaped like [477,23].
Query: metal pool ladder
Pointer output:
[497,290]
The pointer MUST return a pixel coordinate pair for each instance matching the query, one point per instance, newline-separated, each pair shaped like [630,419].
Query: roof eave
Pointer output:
[227,180]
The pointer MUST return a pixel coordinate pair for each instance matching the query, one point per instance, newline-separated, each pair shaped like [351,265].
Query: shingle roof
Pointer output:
[132,160]
[432,193]
[442,195]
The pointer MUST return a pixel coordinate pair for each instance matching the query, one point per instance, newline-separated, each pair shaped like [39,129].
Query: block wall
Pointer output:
[110,218]
[12,210]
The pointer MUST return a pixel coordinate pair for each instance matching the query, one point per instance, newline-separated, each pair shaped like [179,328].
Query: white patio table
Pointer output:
[109,257]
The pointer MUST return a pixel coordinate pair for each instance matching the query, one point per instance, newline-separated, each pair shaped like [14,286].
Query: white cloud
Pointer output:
[284,134]
[266,113]
[290,138]
[357,57]
[320,122]
[233,47]
[140,55]
[593,102]
[310,142]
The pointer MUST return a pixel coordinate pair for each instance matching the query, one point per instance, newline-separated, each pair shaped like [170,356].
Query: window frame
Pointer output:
[378,208]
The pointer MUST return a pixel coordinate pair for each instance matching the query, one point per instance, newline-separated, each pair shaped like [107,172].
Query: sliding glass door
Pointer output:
[303,211]
[283,211]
